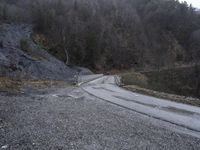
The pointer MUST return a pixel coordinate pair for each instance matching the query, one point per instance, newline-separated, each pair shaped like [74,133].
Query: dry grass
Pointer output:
[41,40]
[25,46]
[13,86]
[45,83]
[7,84]
[134,78]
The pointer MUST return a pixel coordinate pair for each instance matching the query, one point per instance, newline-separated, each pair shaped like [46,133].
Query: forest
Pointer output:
[111,34]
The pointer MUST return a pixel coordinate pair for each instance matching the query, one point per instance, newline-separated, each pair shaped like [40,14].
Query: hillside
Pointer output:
[103,35]
[107,34]
[21,58]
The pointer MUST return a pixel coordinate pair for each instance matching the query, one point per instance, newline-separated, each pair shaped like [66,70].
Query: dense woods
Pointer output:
[105,34]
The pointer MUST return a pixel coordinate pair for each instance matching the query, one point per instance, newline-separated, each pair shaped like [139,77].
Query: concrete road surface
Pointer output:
[180,114]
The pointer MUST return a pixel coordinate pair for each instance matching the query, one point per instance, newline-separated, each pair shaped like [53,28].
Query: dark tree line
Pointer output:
[111,33]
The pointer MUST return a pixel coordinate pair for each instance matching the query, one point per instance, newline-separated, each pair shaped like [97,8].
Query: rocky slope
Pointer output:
[21,58]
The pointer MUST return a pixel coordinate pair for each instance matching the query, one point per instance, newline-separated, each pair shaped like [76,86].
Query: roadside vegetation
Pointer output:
[7,84]
[14,86]
[180,81]
[176,81]
[24,45]
[134,78]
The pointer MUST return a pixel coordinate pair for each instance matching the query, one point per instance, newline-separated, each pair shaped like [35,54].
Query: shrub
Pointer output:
[134,78]
[24,45]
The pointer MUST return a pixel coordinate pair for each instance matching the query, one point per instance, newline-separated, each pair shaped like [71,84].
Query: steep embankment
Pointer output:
[21,58]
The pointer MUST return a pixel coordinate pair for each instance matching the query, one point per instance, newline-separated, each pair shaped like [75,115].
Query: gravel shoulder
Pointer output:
[52,119]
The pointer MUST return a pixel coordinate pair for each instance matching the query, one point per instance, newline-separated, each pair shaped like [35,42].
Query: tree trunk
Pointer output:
[64,47]
[66,56]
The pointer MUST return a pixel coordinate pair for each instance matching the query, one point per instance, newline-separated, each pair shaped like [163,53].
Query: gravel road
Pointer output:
[55,120]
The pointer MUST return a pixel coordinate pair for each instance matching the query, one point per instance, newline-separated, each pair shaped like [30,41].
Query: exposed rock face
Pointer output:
[20,57]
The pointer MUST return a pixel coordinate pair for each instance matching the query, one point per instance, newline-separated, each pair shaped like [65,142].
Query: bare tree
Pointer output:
[64,47]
